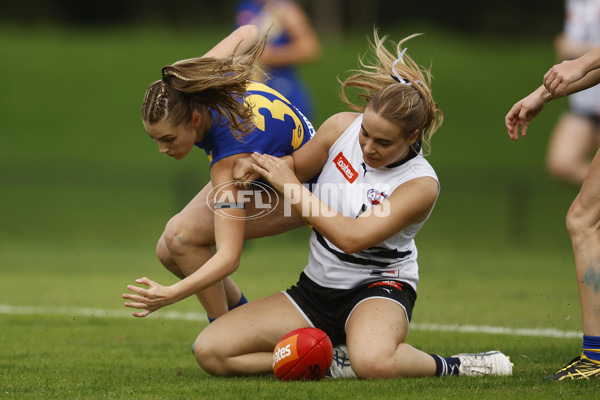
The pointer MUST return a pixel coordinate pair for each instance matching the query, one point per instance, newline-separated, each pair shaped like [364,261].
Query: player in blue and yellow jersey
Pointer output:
[292,41]
[212,102]
[279,127]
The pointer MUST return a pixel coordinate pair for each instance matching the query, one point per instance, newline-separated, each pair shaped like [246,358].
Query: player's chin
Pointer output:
[373,164]
[177,156]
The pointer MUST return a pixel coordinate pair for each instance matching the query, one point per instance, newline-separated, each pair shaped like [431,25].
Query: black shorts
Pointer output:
[590,116]
[328,309]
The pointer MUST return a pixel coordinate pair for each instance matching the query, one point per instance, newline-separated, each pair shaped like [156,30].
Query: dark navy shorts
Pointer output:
[328,309]
[590,116]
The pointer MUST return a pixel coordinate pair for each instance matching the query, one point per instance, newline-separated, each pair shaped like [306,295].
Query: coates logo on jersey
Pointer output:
[345,168]
[375,196]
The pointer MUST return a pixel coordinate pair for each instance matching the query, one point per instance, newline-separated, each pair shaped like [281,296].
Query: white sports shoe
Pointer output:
[488,363]
[340,366]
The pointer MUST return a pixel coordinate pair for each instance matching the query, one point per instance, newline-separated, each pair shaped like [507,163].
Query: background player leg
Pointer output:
[569,152]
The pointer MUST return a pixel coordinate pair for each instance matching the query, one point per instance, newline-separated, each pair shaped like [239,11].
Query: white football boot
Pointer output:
[340,366]
[488,363]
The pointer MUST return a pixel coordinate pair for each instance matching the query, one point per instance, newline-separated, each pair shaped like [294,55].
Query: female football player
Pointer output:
[576,135]
[292,41]
[212,103]
[374,193]
[583,217]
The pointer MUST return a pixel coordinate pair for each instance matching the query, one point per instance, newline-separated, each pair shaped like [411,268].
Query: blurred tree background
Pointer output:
[506,17]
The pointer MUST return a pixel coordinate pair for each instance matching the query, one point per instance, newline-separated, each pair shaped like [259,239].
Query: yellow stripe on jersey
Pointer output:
[260,87]
[278,108]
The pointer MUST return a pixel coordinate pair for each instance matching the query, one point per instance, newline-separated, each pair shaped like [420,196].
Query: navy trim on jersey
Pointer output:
[361,261]
[416,149]
[386,253]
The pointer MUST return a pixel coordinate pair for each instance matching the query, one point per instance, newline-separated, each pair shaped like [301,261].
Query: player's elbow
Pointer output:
[315,51]
[350,248]
[229,259]
[249,32]
[348,244]
[310,51]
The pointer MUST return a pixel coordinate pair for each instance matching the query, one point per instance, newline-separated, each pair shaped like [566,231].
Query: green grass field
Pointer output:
[85,195]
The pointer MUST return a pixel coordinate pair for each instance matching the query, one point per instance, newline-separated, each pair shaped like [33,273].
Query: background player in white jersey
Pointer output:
[583,217]
[576,135]
[360,283]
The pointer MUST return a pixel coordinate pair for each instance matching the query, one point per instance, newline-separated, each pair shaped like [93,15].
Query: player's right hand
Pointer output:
[243,173]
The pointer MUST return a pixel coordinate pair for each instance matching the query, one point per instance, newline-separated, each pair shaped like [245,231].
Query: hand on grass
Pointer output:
[148,300]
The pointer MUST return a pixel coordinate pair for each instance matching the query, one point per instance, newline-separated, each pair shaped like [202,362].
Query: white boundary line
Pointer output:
[498,330]
[196,316]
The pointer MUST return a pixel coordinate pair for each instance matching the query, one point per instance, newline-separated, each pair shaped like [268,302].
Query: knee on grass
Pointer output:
[209,359]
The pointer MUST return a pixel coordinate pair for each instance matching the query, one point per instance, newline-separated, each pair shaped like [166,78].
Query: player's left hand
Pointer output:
[520,115]
[275,170]
[562,75]
[148,300]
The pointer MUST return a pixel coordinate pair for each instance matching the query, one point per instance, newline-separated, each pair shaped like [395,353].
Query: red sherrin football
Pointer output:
[302,354]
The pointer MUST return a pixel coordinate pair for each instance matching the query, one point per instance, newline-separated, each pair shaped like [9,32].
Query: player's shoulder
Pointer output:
[335,126]
[340,121]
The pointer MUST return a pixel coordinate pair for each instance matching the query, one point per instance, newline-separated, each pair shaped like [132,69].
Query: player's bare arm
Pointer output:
[229,237]
[411,202]
[237,43]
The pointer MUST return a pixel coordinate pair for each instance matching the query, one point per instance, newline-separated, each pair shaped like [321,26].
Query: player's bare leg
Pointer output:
[187,244]
[242,341]
[573,140]
[583,224]
[376,333]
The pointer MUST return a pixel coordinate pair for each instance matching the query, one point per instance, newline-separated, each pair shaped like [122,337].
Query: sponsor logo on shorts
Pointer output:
[393,284]
[344,166]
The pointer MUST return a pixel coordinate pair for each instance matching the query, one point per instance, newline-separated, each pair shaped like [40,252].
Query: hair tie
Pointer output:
[399,78]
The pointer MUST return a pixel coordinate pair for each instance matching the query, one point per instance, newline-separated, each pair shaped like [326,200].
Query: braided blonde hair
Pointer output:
[410,105]
[195,84]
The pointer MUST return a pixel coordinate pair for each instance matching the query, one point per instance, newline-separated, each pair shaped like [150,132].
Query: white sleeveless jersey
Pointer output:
[351,187]
[582,21]
[582,25]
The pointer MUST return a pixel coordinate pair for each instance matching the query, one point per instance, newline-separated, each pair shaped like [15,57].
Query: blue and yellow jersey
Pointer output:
[283,78]
[280,128]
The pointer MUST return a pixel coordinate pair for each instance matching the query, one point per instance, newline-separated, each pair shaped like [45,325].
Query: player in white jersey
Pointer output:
[352,187]
[374,193]
[577,132]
